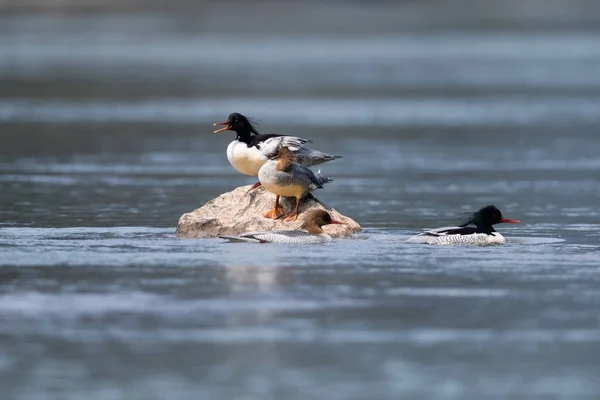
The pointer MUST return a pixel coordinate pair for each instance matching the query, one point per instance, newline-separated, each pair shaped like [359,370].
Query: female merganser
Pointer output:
[311,233]
[284,177]
[482,233]
[250,149]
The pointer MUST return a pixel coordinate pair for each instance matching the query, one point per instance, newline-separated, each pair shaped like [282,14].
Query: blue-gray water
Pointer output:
[106,139]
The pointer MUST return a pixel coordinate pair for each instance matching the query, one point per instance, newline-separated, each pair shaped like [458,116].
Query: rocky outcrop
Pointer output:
[241,211]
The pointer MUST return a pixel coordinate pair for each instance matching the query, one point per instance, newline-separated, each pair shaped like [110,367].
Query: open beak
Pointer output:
[510,221]
[227,126]
[333,221]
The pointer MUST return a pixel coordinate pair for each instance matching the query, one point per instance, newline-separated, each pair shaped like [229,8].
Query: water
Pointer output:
[106,140]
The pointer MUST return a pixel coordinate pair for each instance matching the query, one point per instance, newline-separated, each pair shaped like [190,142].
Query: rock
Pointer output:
[241,211]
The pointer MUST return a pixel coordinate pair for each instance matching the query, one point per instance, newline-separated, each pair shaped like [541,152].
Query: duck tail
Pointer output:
[321,180]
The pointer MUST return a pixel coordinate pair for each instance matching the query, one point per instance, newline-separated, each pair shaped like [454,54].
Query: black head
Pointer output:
[486,217]
[239,124]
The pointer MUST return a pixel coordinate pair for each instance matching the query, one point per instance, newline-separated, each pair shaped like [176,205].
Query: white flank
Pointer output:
[434,236]
[299,237]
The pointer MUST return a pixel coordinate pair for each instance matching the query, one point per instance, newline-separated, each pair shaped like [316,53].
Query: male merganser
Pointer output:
[482,233]
[251,149]
[284,177]
[311,233]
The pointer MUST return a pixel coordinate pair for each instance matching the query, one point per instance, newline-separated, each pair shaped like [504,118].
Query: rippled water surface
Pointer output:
[106,139]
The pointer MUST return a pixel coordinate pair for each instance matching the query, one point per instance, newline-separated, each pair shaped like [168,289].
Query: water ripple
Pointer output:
[367,112]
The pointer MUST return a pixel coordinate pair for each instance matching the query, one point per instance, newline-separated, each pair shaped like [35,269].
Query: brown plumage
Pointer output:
[285,177]
[315,219]
[285,158]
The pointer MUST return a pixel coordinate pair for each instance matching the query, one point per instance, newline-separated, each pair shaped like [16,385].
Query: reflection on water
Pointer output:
[243,278]
[106,139]
[132,304]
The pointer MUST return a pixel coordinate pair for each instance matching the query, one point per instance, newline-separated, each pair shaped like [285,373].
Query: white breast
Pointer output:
[247,160]
[479,239]
[279,182]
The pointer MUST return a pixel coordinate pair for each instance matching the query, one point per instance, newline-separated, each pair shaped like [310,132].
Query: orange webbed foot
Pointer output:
[274,213]
[291,217]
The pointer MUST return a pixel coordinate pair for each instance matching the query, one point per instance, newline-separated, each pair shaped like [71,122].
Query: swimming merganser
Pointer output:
[482,233]
[251,149]
[311,233]
[284,177]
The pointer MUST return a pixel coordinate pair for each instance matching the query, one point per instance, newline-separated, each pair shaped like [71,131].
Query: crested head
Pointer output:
[285,159]
[284,152]
[239,121]
[316,219]
[239,124]
[485,217]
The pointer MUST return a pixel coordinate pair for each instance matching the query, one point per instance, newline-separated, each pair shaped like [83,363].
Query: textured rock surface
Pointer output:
[238,211]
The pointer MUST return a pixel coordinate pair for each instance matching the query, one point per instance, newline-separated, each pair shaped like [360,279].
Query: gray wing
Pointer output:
[271,146]
[309,157]
[241,239]
[258,236]
[307,178]
[280,237]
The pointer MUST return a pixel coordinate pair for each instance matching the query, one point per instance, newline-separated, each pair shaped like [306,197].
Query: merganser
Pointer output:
[251,149]
[284,177]
[310,232]
[482,233]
